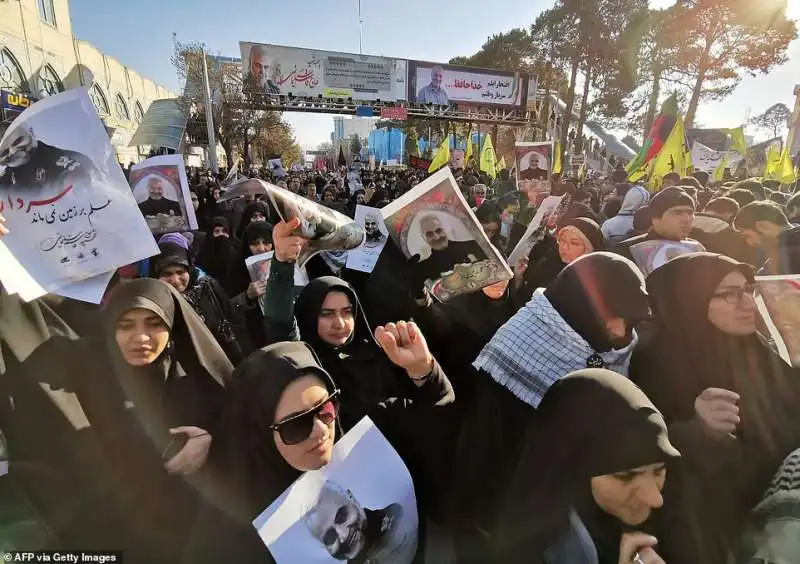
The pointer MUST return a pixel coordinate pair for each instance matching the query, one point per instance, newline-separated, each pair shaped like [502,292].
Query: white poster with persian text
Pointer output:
[282,70]
[69,209]
[708,160]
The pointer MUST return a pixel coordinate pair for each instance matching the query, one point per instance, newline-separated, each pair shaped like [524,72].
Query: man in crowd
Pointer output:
[765,227]
[156,203]
[434,93]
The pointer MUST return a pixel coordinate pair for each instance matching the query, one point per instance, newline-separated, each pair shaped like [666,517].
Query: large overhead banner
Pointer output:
[432,83]
[304,72]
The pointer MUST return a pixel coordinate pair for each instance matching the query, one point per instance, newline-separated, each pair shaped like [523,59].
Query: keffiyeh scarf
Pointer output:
[536,348]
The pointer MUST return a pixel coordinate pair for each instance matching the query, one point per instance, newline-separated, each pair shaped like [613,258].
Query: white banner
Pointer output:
[432,83]
[69,209]
[708,160]
[303,72]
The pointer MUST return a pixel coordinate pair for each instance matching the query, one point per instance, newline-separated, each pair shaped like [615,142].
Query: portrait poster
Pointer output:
[161,189]
[366,256]
[534,165]
[779,305]
[545,219]
[258,266]
[325,229]
[69,209]
[447,251]
[652,254]
[360,507]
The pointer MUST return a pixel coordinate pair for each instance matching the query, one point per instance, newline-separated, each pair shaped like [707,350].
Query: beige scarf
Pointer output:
[25,326]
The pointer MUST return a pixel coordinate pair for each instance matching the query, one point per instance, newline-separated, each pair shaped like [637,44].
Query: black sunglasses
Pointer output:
[298,428]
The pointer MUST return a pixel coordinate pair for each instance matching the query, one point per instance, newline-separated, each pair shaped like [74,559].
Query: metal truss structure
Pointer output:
[518,117]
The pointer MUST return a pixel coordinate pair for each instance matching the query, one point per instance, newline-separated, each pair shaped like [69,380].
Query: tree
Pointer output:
[355,145]
[774,119]
[721,40]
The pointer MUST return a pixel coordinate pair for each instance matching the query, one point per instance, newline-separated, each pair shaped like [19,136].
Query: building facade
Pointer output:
[39,57]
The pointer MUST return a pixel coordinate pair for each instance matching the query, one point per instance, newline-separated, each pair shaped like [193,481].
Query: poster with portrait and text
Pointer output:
[778,303]
[365,257]
[446,250]
[258,266]
[68,207]
[360,507]
[534,165]
[161,190]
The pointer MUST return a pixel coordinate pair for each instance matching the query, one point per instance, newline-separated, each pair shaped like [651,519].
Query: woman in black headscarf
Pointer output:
[575,237]
[732,405]
[584,319]
[254,212]
[589,499]
[218,250]
[156,405]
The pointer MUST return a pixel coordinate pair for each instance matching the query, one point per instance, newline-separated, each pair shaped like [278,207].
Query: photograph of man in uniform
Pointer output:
[262,69]
[352,533]
[442,252]
[372,228]
[433,93]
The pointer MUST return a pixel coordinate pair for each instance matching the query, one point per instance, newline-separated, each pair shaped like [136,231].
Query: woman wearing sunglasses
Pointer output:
[281,421]
[732,405]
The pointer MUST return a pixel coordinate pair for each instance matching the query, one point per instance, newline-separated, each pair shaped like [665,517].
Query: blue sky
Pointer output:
[141,37]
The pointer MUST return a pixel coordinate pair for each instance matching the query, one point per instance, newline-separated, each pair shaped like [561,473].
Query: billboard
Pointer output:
[308,73]
[432,83]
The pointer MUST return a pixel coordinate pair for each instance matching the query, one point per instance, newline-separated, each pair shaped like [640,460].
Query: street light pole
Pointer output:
[360,31]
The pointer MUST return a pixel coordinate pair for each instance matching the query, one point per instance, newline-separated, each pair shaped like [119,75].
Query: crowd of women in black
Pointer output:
[580,413]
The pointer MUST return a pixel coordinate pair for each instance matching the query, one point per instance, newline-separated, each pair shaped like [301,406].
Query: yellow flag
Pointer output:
[773,162]
[737,137]
[671,158]
[488,158]
[719,172]
[468,153]
[501,165]
[557,158]
[783,170]
[442,156]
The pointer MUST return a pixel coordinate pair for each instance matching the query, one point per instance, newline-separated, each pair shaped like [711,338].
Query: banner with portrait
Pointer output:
[655,253]
[161,189]
[534,165]
[443,85]
[69,209]
[365,257]
[445,247]
[779,305]
[279,70]
[360,507]
[258,266]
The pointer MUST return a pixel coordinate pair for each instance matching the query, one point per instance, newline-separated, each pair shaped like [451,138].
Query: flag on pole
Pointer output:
[442,156]
[782,170]
[773,162]
[673,157]
[501,165]
[719,172]
[468,153]
[488,158]
[557,158]
[661,129]
[738,142]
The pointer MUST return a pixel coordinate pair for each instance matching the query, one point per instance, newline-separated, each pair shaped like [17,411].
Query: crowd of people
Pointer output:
[591,410]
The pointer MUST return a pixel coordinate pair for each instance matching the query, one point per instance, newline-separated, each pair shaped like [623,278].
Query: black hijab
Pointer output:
[163,392]
[595,288]
[247,216]
[238,275]
[590,423]
[253,466]
[217,253]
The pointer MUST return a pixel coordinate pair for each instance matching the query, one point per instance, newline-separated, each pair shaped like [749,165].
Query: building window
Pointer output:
[121,108]
[99,100]
[138,113]
[49,83]
[11,76]
[46,12]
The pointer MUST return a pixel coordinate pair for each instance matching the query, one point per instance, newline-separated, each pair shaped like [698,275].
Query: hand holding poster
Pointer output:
[545,219]
[366,256]
[161,188]
[447,251]
[361,507]
[69,209]
[258,266]
[326,229]
[779,304]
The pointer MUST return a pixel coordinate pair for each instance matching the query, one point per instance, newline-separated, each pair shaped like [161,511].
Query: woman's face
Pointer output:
[732,308]
[360,199]
[176,276]
[315,452]
[220,231]
[572,244]
[336,320]
[260,246]
[141,336]
[257,216]
[630,496]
